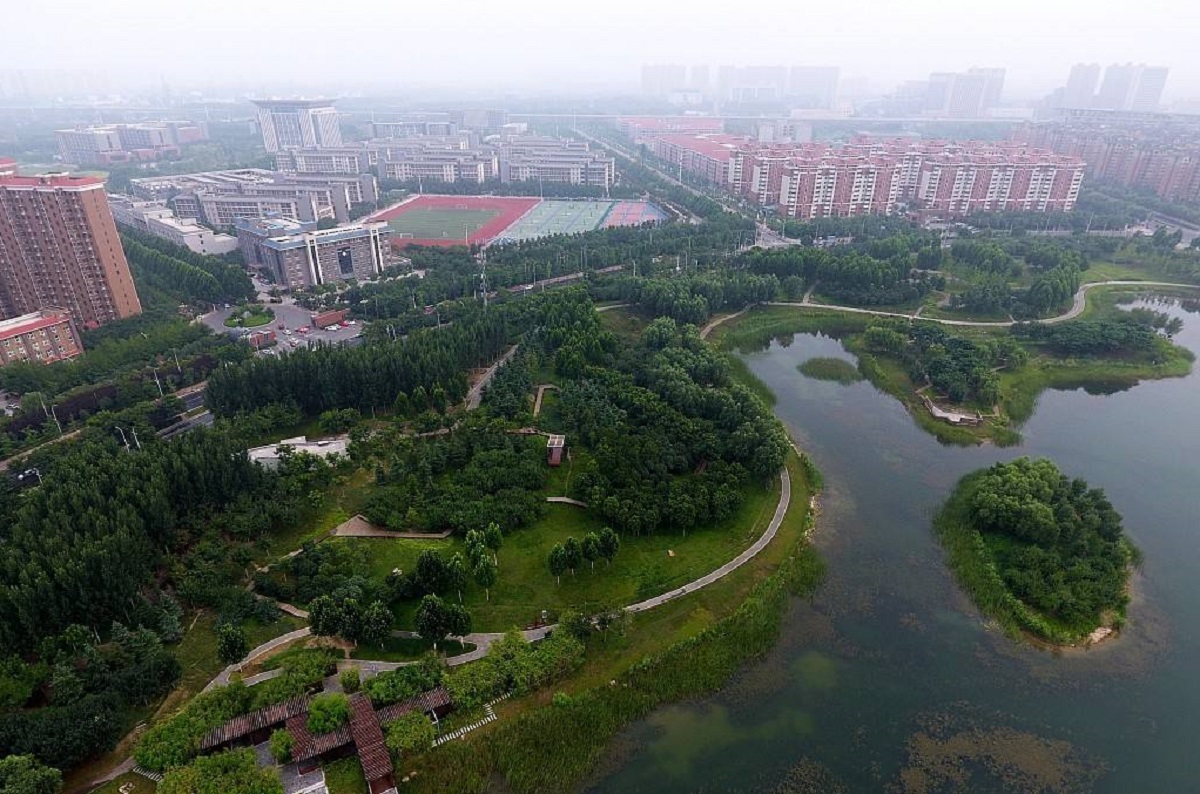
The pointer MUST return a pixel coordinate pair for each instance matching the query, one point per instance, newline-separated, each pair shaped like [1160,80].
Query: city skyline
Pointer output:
[869,41]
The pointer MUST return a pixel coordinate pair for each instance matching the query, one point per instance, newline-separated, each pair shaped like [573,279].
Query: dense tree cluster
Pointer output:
[476,474]
[1057,544]
[669,409]
[1133,334]
[364,377]
[691,298]
[183,274]
[879,272]
[78,548]
[22,774]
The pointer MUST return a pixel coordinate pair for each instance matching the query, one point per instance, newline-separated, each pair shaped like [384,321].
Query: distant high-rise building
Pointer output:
[963,94]
[1080,91]
[993,85]
[59,248]
[813,86]
[1132,87]
[700,80]
[299,123]
[662,79]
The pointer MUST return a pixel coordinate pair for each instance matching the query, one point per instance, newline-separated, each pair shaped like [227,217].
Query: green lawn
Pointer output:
[256,319]
[645,566]
[346,777]
[406,649]
[435,224]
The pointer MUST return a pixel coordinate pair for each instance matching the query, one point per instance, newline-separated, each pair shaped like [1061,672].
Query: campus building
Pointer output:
[218,198]
[298,124]
[298,254]
[156,218]
[43,336]
[59,248]
[124,143]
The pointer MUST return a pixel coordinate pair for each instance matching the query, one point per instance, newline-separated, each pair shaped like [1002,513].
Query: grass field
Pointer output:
[644,567]
[428,223]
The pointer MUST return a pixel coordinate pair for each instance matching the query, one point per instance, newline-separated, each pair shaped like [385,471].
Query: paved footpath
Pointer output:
[1078,305]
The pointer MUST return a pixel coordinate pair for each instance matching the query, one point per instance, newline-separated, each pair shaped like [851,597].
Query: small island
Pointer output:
[1041,553]
[836,370]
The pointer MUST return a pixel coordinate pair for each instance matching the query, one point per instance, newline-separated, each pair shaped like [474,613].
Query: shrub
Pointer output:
[410,733]
[406,682]
[350,681]
[328,712]
[235,770]
[281,746]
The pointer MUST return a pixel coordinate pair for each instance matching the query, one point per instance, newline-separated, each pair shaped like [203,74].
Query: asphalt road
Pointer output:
[291,317]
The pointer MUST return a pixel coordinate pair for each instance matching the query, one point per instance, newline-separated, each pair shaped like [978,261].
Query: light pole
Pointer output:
[124,440]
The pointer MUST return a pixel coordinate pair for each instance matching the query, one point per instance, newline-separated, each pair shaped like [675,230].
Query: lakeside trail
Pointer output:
[1078,305]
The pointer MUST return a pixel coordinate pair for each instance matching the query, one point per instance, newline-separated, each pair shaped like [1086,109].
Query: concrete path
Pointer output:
[1077,307]
[565,500]
[475,395]
[541,392]
[223,677]
[708,329]
[360,527]
[731,566]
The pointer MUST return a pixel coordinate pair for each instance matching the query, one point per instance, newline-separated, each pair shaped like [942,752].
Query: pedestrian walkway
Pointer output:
[489,716]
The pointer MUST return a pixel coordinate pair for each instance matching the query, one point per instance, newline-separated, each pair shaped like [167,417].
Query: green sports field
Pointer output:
[428,223]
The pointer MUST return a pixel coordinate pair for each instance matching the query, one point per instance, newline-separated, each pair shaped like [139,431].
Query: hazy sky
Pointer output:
[564,44]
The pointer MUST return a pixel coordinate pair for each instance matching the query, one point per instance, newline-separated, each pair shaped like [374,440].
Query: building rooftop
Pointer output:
[43,318]
[52,181]
[299,444]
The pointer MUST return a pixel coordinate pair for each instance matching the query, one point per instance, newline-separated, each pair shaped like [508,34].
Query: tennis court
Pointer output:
[559,217]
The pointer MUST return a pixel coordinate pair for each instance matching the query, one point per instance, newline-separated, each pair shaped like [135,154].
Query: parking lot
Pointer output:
[288,318]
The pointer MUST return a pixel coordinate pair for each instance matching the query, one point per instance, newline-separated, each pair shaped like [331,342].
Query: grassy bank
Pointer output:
[1019,389]
[974,567]
[686,648]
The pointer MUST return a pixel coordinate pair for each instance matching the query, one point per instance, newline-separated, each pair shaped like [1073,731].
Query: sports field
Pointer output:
[452,220]
[455,220]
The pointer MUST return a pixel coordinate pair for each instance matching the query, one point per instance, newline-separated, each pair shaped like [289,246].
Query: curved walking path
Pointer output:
[1078,305]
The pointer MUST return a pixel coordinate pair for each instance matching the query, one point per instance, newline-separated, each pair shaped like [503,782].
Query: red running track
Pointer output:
[510,208]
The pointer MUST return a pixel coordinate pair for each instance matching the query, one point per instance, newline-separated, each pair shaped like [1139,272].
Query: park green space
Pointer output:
[981,559]
[1018,389]
[258,316]
[428,223]
[645,566]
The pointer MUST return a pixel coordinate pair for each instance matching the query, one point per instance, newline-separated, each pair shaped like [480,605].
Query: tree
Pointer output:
[376,624]
[281,745]
[575,623]
[458,620]
[610,544]
[24,774]
[328,712]
[400,405]
[233,770]
[557,562]
[433,619]
[486,574]
[411,733]
[231,643]
[572,554]
[591,548]
[456,575]
[494,538]
[431,572]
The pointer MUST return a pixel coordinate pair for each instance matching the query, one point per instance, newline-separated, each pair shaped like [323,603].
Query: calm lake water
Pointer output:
[889,680]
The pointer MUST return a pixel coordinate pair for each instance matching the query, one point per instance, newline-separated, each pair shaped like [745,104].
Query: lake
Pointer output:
[890,680]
